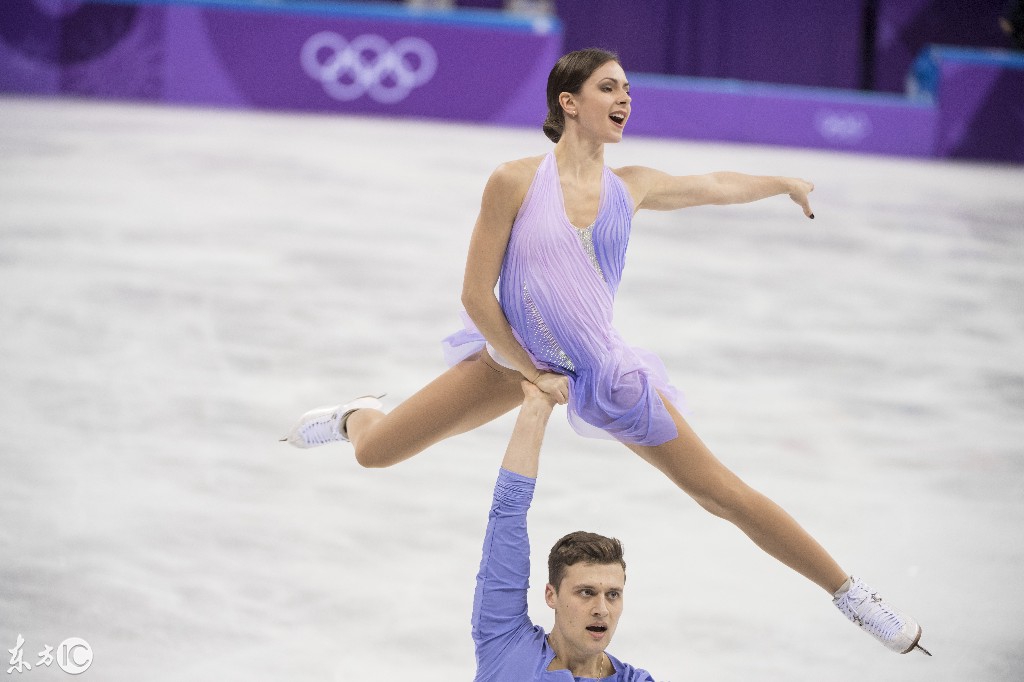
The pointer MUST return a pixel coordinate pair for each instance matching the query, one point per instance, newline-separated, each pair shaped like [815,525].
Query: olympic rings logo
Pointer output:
[850,127]
[369,65]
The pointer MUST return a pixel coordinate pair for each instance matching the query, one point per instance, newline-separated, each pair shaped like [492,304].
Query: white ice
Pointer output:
[177,285]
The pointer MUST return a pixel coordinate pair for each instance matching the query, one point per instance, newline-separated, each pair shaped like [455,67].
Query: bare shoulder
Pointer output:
[637,174]
[507,187]
[518,173]
[639,180]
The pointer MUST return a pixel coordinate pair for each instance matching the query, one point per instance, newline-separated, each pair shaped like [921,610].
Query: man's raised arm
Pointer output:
[500,618]
[523,452]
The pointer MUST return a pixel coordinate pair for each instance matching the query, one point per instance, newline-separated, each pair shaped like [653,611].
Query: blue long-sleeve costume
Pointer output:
[509,647]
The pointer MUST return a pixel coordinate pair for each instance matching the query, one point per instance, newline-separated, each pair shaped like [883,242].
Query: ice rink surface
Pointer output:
[179,284]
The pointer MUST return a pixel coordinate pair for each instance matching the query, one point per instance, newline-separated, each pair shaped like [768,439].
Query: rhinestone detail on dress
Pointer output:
[586,235]
[542,339]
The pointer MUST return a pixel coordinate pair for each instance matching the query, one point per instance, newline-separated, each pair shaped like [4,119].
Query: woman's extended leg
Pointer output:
[692,467]
[471,393]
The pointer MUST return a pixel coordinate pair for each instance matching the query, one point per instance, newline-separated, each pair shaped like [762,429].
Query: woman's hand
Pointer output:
[533,396]
[798,193]
[555,386]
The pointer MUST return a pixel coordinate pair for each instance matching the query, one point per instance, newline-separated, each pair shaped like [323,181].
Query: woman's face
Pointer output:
[602,105]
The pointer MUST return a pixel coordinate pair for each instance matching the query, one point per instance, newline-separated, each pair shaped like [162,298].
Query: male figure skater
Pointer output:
[586,571]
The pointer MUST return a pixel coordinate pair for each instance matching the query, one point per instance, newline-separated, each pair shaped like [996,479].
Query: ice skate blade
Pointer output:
[917,643]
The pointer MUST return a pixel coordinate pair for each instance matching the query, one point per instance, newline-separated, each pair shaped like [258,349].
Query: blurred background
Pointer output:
[907,77]
[215,215]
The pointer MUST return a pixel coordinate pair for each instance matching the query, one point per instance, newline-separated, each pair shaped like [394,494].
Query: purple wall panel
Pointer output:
[128,68]
[981,110]
[802,42]
[21,73]
[798,42]
[270,60]
[640,32]
[413,69]
[764,114]
[48,46]
[905,27]
[317,61]
[191,75]
[481,4]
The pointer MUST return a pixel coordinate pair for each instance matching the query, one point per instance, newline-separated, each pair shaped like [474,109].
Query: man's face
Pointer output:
[587,605]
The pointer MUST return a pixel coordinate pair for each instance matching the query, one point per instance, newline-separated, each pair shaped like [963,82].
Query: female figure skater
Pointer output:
[552,233]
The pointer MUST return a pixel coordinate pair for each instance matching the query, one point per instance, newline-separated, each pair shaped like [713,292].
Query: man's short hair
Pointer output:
[581,546]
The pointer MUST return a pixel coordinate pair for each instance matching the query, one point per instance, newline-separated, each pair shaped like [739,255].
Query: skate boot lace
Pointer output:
[320,430]
[867,610]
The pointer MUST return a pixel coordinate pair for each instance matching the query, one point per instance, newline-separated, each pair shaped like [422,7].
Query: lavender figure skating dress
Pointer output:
[557,288]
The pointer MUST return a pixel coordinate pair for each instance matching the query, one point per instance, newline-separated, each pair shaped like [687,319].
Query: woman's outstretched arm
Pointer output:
[658,191]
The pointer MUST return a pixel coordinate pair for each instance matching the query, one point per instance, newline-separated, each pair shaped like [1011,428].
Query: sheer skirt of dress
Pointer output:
[468,341]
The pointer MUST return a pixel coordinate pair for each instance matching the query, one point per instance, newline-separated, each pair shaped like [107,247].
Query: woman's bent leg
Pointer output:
[692,467]
[468,395]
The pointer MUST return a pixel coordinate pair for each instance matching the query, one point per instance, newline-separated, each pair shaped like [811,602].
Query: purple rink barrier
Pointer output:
[980,98]
[786,115]
[360,59]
